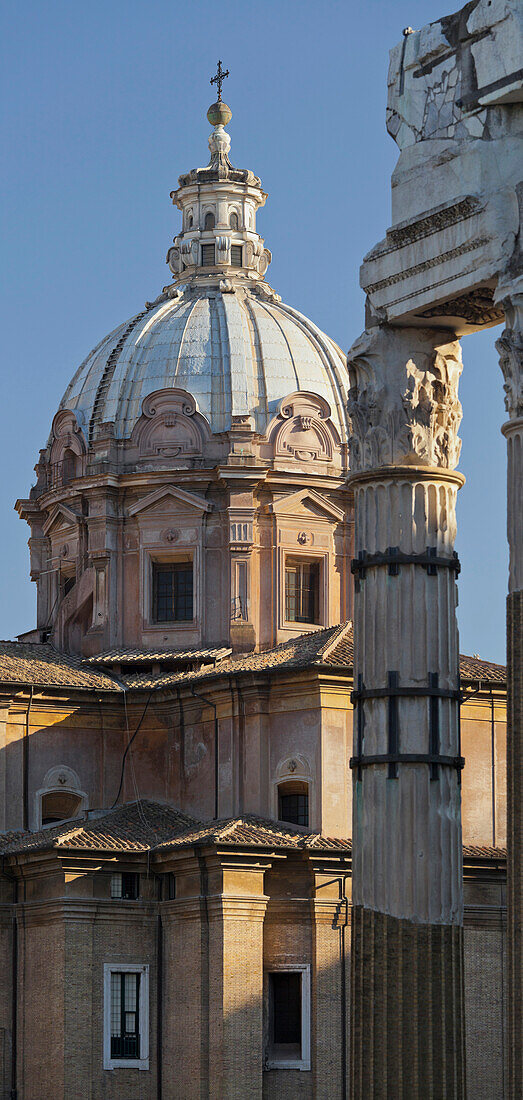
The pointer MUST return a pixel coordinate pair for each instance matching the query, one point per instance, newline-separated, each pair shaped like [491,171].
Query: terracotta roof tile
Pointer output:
[133,827]
[38,663]
[475,851]
[474,668]
[147,826]
[329,647]
[171,656]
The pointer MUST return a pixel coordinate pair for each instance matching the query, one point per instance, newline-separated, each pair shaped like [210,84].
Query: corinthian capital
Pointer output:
[403,401]
[509,294]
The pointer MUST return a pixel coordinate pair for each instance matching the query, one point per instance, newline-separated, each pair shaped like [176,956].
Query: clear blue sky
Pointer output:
[103,107]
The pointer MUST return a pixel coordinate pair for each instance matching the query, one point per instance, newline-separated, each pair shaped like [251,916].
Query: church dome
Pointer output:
[236,348]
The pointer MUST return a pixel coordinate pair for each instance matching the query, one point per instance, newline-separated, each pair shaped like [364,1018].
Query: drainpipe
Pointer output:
[13,1094]
[209,703]
[25,764]
[159,1004]
[205,1007]
[343,997]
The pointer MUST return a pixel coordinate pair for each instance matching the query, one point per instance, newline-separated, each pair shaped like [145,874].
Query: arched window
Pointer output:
[293,802]
[59,806]
[189,222]
[233,220]
[59,797]
[68,466]
[209,220]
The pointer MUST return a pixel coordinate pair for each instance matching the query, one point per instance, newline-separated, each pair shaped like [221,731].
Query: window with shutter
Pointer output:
[126,1016]
[208,255]
[236,255]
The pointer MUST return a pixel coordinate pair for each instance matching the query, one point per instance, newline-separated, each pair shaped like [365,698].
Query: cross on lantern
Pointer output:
[219,79]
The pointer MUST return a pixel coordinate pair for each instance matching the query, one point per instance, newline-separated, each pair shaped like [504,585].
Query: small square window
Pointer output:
[289,1018]
[126,1016]
[173,592]
[125,885]
[208,254]
[236,255]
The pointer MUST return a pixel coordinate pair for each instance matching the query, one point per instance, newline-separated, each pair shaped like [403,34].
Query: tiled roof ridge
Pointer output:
[341,631]
[134,653]
[245,830]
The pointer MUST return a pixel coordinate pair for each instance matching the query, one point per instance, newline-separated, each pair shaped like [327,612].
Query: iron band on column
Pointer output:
[393,558]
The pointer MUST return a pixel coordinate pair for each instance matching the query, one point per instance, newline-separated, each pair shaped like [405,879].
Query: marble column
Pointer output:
[407,1018]
[510,349]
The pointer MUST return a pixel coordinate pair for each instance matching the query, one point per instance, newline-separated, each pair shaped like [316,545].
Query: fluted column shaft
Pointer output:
[510,348]
[407,979]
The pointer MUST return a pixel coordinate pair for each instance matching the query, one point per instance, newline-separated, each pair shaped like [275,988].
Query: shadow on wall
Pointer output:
[79,754]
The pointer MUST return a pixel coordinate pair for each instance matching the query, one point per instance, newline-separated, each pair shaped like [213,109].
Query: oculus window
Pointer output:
[173,592]
[288,1044]
[126,1016]
[302,591]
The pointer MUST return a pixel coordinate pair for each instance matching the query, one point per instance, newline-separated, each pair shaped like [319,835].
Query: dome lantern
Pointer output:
[219,205]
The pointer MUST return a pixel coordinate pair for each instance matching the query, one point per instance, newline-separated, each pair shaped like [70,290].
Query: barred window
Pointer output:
[302,591]
[125,1000]
[208,255]
[125,885]
[173,592]
[236,255]
[126,1016]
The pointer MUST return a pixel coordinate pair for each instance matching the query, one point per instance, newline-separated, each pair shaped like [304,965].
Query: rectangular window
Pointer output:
[302,591]
[239,591]
[173,592]
[125,885]
[236,255]
[207,255]
[125,1000]
[289,1018]
[294,808]
[126,1016]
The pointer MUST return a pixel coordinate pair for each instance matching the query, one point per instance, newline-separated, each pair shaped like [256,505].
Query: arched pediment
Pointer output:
[67,436]
[170,425]
[303,429]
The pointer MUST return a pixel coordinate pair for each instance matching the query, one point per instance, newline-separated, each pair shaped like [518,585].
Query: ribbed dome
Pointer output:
[236,351]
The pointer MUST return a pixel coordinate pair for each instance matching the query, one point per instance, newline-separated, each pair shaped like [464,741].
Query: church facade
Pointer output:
[176,734]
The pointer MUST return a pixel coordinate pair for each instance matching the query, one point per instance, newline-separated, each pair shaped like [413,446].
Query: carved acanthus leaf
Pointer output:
[403,402]
[510,351]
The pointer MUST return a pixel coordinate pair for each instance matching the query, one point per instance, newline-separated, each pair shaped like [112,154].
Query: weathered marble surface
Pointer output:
[455,111]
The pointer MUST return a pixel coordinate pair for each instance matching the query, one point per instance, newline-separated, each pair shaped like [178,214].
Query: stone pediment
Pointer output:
[306,502]
[170,426]
[178,499]
[61,516]
[303,430]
